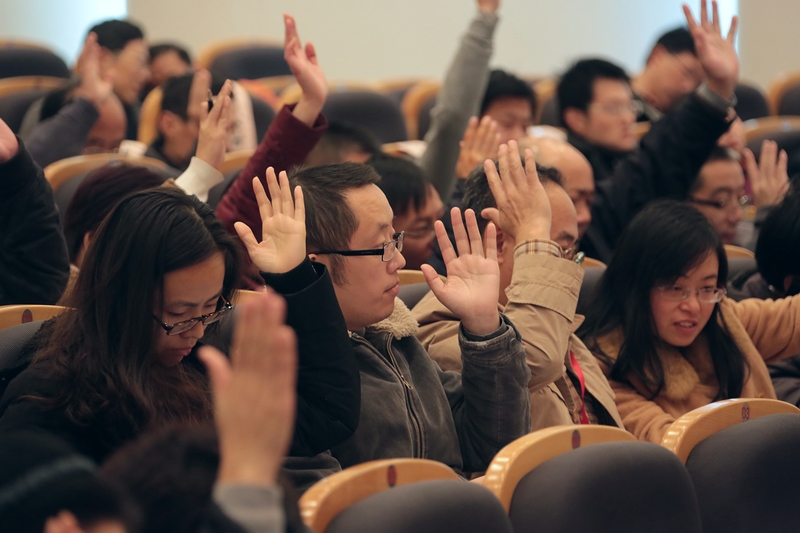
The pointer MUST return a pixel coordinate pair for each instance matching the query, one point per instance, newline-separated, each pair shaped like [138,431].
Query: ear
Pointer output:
[167,122]
[502,242]
[313,257]
[575,120]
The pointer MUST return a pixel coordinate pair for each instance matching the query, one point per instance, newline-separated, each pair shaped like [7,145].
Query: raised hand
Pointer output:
[213,137]
[479,144]
[198,95]
[473,275]
[769,178]
[92,87]
[523,210]
[9,146]
[488,6]
[283,243]
[716,53]
[254,393]
[307,72]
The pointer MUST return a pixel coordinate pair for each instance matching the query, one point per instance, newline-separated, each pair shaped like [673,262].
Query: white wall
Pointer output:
[770,38]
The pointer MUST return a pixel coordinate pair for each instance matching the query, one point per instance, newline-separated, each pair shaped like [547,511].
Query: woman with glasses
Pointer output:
[158,272]
[668,339]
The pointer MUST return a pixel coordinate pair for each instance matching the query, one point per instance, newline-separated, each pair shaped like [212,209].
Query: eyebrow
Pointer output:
[711,276]
[183,303]
[567,236]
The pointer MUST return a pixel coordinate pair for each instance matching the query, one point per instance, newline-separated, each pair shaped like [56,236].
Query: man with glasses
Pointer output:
[409,406]
[718,193]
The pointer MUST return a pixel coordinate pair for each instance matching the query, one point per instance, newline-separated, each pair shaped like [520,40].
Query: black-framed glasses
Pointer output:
[185,325]
[740,201]
[386,251]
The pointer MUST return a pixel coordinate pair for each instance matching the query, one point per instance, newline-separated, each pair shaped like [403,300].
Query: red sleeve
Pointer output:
[286,145]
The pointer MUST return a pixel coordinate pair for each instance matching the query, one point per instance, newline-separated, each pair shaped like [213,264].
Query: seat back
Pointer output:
[591,280]
[785,130]
[751,102]
[745,476]
[789,103]
[697,425]
[329,497]
[16,61]
[619,487]
[412,293]
[14,315]
[59,172]
[550,114]
[416,106]
[244,58]
[12,340]
[733,251]
[778,87]
[369,110]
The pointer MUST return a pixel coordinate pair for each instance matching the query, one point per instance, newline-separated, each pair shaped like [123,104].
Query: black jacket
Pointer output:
[665,165]
[34,265]
[603,161]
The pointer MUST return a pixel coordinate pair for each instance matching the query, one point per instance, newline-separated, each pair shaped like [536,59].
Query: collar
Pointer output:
[400,323]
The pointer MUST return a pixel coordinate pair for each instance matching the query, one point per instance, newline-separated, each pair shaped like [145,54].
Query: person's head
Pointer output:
[123,51]
[43,480]
[345,210]
[108,130]
[563,229]
[718,192]
[158,260]
[596,103]
[672,70]
[662,289]
[511,102]
[778,246]
[574,168]
[415,203]
[168,60]
[96,196]
[342,143]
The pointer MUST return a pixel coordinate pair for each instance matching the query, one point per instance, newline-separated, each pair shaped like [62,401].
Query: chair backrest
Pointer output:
[369,110]
[292,93]
[408,277]
[737,265]
[263,115]
[25,84]
[241,296]
[329,497]
[752,102]
[589,262]
[697,425]
[778,87]
[745,476]
[148,116]
[13,107]
[619,487]
[59,172]
[514,461]
[14,315]
[412,293]
[591,280]
[785,130]
[244,58]
[549,113]
[25,61]
[545,90]
[12,341]
[420,96]
[236,160]
[733,251]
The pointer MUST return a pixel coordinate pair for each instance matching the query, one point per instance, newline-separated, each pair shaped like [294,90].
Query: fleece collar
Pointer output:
[400,323]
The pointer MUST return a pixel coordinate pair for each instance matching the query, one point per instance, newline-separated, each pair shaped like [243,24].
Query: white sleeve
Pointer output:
[257,509]
[199,178]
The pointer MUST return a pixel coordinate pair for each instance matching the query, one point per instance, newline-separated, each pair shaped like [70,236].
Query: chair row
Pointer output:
[728,467]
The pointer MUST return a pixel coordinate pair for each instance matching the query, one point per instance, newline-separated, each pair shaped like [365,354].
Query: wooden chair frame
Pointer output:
[590,262]
[9,86]
[14,315]
[514,461]
[60,171]
[327,498]
[544,89]
[758,128]
[293,92]
[778,87]
[695,426]
[236,159]
[414,99]
[732,251]
[148,117]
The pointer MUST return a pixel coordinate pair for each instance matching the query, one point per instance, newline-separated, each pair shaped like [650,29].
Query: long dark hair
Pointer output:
[662,243]
[101,354]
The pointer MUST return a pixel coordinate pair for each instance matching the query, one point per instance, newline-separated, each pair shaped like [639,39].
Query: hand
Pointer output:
[254,393]
[213,137]
[769,179]
[93,87]
[735,138]
[307,72]
[63,522]
[283,243]
[198,94]
[488,6]
[717,55]
[473,276]
[523,210]
[479,144]
[9,146]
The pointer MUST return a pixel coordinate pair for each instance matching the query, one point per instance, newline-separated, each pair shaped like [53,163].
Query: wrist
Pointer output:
[307,110]
[481,326]
[724,90]
[244,470]
[532,231]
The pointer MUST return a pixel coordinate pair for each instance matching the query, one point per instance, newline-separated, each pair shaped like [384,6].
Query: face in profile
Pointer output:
[418,227]
[131,70]
[720,197]
[673,76]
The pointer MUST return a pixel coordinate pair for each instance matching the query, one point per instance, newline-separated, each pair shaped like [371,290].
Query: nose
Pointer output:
[736,214]
[397,262]
[196,332]
[584,215]
[691,304]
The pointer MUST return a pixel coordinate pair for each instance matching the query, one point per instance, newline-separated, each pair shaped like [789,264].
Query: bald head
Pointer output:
[109,130]
[574,167]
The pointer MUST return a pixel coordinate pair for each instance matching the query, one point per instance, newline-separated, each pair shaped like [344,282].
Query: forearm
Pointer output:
[63,135]
[458,100]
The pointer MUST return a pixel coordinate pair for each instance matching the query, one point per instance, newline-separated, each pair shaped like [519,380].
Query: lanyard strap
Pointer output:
[579,373]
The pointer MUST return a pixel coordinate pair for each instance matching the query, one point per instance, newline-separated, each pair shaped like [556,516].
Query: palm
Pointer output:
[716,53]
[472,282]
[303,64]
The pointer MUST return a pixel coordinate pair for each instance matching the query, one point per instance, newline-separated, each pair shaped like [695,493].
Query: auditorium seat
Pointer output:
[244,58]
[23,61]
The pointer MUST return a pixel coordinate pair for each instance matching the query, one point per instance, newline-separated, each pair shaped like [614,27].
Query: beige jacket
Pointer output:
[541,303]
[764,330]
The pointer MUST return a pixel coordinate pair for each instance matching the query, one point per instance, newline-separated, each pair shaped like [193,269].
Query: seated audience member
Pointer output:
[511,103]
[410,407]
[167,60]
[666,336]
[158,271]
[342,143]
[178,122]
[47,487]
[34,266]
[672,71]
[72,121]
[596,105]
[539,285]
[415,203]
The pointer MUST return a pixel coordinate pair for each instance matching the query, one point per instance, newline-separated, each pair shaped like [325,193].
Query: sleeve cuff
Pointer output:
[714,100]
[255,508]
[538,247]
[293,281]
[199,178]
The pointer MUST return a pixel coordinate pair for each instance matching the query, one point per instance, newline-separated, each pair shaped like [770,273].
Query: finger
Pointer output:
[274,192]
[690,22]
[530,169]
[715,16]
[489,140]
[223,95]
[225,113]
[299,205]
[704,14]
[752,168]
[432,278]
[769,151]
[469,134]
[203,112]
[491,241]
[495,184]
[448,253]
[491,214]
[519,180]
[311,53]
[475,241]
[247,237]
[290,32]
[781,173]
[286,195]
[218,368]
[732,31]
[264,205]
[459,232]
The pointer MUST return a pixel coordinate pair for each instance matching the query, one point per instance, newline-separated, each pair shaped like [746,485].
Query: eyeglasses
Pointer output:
[420,233]
[709,295]
[185,325]
[740,201]
[386,251]
[617,108]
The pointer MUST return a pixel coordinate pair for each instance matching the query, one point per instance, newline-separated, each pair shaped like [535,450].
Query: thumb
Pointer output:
[432,278]
[491,214]
[246,234]
[218,367]
[750,163]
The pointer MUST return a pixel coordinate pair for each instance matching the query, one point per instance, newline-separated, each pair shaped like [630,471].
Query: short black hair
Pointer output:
[778,246]
[717,154]
[676,41]
[340,139]
[505,85]
[116,34]
[175,93]
[162,48]
[576,88]
[402,181]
